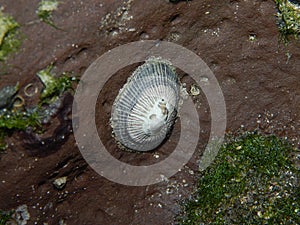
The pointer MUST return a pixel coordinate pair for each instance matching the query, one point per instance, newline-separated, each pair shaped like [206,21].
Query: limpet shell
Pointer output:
[145,109]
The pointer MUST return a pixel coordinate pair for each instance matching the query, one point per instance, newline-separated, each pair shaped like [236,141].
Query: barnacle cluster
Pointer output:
[116,22]
[8,32]
[288,18]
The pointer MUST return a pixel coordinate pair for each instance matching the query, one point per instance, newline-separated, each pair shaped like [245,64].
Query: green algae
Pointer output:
[288,19]
[9,41]
[54,86]
[45,10]
[16,120]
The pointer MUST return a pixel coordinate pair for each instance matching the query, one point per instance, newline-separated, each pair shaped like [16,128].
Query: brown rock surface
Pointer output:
[258,80]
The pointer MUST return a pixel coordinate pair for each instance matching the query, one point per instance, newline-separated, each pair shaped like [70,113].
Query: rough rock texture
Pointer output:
[259,78]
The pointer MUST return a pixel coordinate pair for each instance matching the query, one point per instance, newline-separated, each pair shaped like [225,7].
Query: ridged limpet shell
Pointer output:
[145,109]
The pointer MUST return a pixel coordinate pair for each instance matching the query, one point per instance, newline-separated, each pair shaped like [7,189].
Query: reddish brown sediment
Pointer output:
[238,40]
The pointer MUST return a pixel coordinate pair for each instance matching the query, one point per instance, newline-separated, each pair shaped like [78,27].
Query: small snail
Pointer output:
[145,109]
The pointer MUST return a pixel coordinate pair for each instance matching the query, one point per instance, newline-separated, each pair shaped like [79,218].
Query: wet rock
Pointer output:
[257,69]
[176,1]
[43,144]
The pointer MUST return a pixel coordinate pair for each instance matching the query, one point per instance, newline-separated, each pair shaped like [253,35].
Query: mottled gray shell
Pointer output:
[146,107]
[7,95]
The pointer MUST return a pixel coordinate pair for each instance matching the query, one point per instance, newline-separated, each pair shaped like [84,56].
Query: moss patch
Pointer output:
[252,181]
[8,36]
[288,19]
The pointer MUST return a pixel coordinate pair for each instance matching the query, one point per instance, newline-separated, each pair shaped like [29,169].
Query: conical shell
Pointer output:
[146,107]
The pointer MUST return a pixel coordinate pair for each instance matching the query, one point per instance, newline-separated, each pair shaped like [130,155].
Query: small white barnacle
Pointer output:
[145,109]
